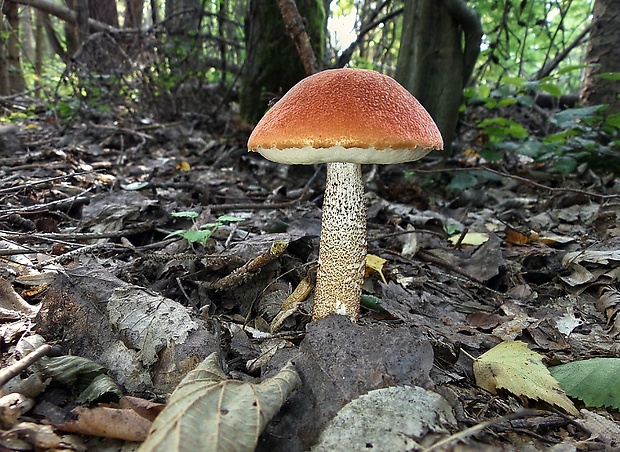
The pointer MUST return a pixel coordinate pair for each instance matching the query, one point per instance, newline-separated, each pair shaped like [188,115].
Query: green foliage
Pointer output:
[580,134]
[520,38]
[200,234]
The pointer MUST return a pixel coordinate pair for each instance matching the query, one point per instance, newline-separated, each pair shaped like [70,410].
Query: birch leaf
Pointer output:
[514,367]
[208,412]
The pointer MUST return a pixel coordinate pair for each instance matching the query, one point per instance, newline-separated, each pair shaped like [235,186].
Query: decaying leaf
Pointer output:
[148,322]
[595,381]
[602,429]
[108,422]
[471,238]
[608,302]
[514,367]
[387,419]
[209,412]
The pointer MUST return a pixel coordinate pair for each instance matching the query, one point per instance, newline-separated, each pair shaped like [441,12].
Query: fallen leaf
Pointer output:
[514,367]
[209,412]
[471,239]
[108,422]
[375,264]
[594,381]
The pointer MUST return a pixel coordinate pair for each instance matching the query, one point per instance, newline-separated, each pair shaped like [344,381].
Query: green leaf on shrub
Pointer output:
[568,117]
[614,76]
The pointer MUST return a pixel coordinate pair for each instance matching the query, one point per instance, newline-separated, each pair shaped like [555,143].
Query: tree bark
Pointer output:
[272,64]
[439,47]
[5,87]
[16,79]
[603,55]
[133,14]
[83,14]
[104,11]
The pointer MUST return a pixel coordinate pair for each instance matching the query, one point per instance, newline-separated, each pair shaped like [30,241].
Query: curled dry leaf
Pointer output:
[108,422]
[209,412]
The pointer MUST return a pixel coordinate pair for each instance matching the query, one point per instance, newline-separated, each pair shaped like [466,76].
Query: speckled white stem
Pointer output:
[342,252]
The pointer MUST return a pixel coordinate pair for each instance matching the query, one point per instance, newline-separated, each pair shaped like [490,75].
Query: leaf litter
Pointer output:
[87,262]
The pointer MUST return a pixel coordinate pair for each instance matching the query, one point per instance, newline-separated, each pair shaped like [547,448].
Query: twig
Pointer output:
[524,180]
[16,368]
[345,56]
[243,273]
[42,181]
[479,427]
[53,236]
[59,204]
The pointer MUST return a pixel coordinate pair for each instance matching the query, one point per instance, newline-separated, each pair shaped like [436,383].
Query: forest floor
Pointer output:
[88,264]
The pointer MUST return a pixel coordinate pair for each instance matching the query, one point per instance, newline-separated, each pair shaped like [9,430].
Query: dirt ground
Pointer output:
[88,262]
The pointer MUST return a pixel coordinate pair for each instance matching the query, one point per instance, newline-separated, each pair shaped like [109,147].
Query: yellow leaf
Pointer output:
[514,367]
[183,166]
[375,263]
[471,238]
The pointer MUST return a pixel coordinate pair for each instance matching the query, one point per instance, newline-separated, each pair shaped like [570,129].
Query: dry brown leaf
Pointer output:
[109,423]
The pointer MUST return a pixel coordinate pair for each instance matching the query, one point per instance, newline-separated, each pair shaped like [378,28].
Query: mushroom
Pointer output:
[344,117]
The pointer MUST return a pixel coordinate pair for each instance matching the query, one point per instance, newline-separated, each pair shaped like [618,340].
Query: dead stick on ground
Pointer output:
[243,273]
[522,179]
[16,368]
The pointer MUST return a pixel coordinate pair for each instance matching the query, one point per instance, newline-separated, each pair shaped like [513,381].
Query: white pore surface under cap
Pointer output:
[309,155]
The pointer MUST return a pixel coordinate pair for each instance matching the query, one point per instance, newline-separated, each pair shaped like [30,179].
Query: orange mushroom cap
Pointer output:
[346,115]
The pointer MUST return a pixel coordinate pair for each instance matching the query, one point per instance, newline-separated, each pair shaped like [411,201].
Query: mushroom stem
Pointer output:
[342,252]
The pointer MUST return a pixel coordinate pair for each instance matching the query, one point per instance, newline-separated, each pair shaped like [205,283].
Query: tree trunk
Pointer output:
[133,13]
[439,46]
[104,11]
[38,51]
[603,56]
[183,16]
[272,63]
[83,14]
[5,88]
[16,79]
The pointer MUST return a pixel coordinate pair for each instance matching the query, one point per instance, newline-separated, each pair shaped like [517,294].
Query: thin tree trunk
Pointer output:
[83,14]
[17,82]
[5,87]
[104,11]
[38,51]
[133,13]
[603,56]
[272,64]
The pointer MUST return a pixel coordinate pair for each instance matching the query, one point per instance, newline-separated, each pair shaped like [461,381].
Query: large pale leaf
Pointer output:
[514,367]
[207,412]
[148,322]
[388,419]
[595,381]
